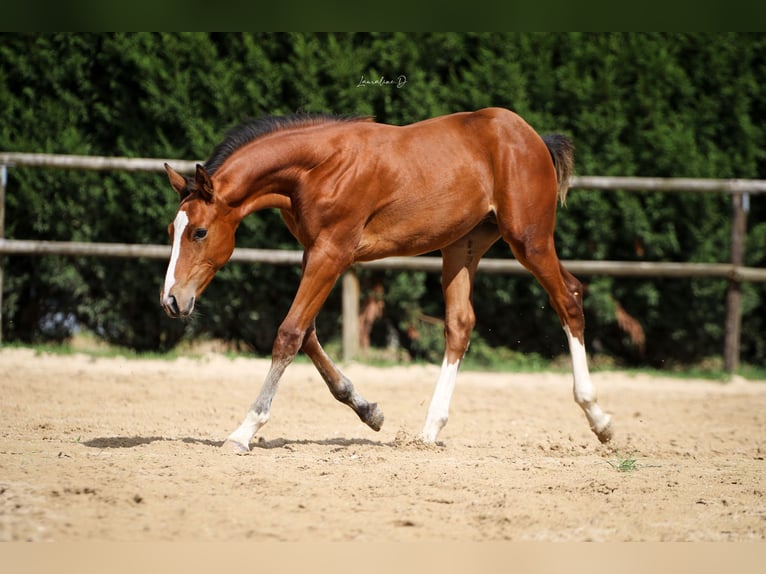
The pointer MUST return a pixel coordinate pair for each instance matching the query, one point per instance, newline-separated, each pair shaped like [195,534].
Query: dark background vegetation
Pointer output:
[676,105]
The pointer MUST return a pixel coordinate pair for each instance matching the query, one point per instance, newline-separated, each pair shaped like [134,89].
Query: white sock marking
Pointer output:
[584,393]
[583,389]
[245,432]
[438,411]
[180,223]
[258,414]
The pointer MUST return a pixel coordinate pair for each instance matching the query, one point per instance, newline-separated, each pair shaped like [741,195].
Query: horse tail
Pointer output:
[562,154]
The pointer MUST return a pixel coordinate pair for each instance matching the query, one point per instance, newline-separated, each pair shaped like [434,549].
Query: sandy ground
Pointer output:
[120,449]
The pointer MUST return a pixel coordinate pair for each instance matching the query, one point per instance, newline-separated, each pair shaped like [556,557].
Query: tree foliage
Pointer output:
[676,105]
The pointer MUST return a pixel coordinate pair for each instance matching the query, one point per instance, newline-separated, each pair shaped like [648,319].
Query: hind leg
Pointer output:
[458,268]
[538,254]
[584,392]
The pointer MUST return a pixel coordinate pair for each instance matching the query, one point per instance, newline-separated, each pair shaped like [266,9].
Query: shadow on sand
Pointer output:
[136,441]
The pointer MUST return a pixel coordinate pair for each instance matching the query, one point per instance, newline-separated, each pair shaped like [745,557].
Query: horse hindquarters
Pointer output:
[526,219]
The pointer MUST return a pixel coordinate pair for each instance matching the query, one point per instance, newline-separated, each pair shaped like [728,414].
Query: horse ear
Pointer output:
[203,183]
[177,181]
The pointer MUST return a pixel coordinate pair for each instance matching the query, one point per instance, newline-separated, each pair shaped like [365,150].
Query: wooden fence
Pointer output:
[735,272]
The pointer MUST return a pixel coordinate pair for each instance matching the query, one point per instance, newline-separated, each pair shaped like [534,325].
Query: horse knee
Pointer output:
[457,330]
[460,323]
[288,341]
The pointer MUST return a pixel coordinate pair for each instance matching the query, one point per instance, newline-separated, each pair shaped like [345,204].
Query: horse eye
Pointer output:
[199,234]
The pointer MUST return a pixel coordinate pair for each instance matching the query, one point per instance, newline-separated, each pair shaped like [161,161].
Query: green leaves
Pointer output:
[671,105]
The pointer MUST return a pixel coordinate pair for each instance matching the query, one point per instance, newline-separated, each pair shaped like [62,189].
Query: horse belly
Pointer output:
[428,227]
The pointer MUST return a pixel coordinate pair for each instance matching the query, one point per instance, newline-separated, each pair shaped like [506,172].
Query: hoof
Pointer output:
[419,442]
[235,447]
[373,417]
[424,440]
[605,433]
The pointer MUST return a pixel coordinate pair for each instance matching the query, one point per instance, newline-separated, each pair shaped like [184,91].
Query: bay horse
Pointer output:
[352,190]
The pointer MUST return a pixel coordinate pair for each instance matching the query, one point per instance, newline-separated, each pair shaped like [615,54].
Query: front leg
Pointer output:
[258,415]
[319,275]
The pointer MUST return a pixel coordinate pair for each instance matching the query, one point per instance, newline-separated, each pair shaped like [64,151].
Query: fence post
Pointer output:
[3,180]
[734,291]
[350,315]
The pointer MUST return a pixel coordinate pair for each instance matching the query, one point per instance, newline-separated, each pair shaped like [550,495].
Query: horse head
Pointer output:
[202,238]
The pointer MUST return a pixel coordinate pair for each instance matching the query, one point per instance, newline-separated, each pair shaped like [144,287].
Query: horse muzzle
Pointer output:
[175,308]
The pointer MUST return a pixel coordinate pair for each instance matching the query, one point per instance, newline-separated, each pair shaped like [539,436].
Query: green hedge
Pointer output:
[678,105]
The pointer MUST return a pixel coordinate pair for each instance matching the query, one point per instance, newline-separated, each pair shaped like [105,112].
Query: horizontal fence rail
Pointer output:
[423,263]
[666,184]
[670,184]
[93,163]
[735,272]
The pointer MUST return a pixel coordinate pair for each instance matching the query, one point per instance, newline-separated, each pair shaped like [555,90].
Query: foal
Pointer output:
[353,190]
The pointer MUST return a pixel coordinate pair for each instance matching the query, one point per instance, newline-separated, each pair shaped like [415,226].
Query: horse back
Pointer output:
[406,190]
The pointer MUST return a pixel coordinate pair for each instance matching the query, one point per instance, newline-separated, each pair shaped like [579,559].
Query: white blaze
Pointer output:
[180,223]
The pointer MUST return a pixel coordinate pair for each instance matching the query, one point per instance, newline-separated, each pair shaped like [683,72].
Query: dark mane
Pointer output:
[253,129]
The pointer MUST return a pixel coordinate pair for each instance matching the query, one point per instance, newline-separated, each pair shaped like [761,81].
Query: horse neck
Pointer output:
[265,174]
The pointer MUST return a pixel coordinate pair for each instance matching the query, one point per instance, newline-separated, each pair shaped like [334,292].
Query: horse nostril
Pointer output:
[172,305]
